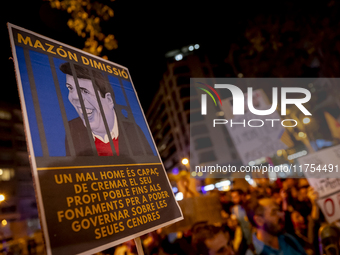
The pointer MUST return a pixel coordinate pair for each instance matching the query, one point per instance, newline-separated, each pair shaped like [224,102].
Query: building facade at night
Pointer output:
[169,112]
[16,186]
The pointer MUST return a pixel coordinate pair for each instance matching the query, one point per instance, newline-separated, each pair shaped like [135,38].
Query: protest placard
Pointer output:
[254,143]
[98,177]
[321,170]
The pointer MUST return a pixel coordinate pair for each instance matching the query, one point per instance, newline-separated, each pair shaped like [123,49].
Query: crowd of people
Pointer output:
[279,218]
[269,218]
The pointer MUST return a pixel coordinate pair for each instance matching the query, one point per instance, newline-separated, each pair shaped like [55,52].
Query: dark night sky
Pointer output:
[145,31]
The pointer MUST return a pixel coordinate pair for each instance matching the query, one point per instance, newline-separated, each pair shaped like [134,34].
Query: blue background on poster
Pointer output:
[32,119]
[137,113]
[49,106]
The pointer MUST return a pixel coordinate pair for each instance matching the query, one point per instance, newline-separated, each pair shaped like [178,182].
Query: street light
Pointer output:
[185,161]
[302,135]
[306,120]
[2,197]
[279,153]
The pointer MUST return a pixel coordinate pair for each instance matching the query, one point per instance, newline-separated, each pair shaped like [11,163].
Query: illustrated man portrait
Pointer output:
[81,140]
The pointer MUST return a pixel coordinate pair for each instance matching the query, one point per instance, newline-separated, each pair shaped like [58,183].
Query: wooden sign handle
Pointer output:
[139,246]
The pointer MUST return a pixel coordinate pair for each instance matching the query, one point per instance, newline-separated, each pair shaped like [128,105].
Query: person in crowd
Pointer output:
[238,242]
[178,243]
[238,197]
[269,238]
[211,240]
[289,194]
[263,187]
[302,202]
[226,203]
[276,225]
[276,195]
[151,242]
[289,183]
[307,231]
[31,246]
[127,248]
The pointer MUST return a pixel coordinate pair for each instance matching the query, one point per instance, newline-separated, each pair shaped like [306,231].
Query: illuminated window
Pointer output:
[162,147]
[6,174]
[179,57]
[5,115]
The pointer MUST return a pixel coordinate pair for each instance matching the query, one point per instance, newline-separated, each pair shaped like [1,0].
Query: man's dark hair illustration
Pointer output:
[85,73]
